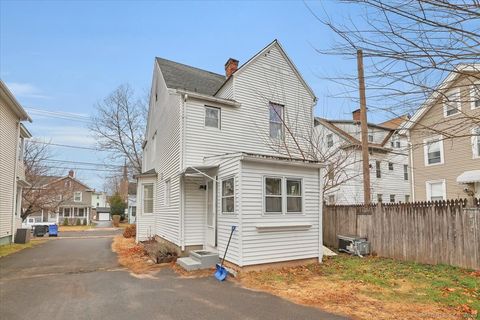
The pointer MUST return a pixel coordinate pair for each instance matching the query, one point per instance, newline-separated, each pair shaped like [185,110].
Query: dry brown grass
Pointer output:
[328,290]
[132,256]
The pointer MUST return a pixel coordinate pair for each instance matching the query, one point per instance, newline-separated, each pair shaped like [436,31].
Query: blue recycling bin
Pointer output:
[53,230]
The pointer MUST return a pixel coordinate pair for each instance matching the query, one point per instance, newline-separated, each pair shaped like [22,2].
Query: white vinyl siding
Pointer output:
[277,245]
[8,147]
[168,192]
[433,151]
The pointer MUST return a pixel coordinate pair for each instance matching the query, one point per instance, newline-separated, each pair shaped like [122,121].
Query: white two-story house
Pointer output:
[230,150]
[12,170]
[339,147]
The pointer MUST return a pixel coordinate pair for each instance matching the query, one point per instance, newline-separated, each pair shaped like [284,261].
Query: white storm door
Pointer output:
[211,221]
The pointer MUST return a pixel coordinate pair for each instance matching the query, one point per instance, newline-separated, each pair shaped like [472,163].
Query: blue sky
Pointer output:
[66,56]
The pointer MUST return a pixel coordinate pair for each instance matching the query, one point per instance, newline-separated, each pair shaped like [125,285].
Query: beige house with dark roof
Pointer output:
[445,139]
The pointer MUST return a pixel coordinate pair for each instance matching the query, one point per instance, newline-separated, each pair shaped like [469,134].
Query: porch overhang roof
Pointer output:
[197,169]
[469,177]
[148,174]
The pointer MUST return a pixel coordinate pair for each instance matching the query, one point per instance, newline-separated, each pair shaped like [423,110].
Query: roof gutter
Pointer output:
[286,161]
[200,96]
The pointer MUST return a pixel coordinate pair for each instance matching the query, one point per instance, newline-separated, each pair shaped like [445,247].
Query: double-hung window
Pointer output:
[433,151]
[329,140]
[475,96]
[476,142]
[273,195]
[392,198]
[378,169]
[276,120]
[436,190]
[148,198]
[228,195]
[283,195]
[451,104]
[77,197]
[405,172]
[212,117]
[370,138]
[390,166]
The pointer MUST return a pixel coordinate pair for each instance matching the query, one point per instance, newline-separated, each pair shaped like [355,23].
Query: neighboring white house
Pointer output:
[99,199]
[340,148]
[218,153]
[12,172]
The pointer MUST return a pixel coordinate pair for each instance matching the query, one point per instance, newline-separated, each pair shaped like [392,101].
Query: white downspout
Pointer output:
[182,166]
[14,200]
[320,215]
[412,178]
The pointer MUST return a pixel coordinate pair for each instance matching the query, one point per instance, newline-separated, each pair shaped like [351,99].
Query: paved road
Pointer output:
[79,278]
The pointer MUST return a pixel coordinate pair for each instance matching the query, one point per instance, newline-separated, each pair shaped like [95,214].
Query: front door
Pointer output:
[211,225]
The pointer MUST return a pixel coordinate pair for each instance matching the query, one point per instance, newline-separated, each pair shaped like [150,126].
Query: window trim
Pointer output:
[475,144]
[143,198]
[282,138]
[429,189]
[425,151]
[456,92]
[472,95]
[232,196]
[75,196]
[283,195]
[219,126]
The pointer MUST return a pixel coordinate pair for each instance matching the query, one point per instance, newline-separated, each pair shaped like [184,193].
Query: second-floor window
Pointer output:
[77,197]
[276,120]
[212,117]
[433,151]
[405,172]
[390,166]
[370,138]
[329,140]
[378,169]
[475,96]
[451,105]
[476,142]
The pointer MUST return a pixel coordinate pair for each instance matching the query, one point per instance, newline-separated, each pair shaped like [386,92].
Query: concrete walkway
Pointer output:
[79,278]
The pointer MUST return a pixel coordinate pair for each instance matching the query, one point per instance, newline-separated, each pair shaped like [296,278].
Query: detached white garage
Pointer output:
[103,214]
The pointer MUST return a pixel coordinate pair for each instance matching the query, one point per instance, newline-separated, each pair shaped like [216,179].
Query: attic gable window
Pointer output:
[329,140]
[276,120]
[212,117]
[451,105]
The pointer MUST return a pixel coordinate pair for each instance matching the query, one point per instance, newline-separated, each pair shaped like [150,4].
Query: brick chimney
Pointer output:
[356,115]
[71,173]
[230,67]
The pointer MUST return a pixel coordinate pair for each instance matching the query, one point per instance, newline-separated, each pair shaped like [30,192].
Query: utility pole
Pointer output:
[364,129]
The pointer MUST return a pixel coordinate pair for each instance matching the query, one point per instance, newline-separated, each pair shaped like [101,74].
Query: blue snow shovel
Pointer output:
[221,272]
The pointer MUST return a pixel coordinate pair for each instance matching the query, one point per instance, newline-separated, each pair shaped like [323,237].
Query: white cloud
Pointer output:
[26,90]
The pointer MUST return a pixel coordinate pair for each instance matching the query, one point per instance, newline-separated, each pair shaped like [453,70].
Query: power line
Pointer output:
[65,145]
[60,114]
[85,163]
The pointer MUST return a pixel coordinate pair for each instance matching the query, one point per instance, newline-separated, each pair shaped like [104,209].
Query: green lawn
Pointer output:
[373,287]
[7,249]
[444,284]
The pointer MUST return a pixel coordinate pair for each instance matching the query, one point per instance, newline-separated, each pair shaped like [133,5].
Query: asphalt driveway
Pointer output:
[79,278]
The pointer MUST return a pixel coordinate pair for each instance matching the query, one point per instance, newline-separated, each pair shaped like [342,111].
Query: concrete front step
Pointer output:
[189,264]
[207,259]
[199,259]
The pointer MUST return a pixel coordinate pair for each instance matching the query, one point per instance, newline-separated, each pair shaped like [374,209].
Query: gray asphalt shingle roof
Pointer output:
[181,76]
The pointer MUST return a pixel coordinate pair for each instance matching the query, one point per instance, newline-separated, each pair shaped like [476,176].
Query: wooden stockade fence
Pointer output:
[445,232]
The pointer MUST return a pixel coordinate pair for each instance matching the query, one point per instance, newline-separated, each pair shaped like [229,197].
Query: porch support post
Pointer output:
[182,210]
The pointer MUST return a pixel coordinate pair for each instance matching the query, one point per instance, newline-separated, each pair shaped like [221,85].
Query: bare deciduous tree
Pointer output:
[119,125]
[410,47]
[41,194]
